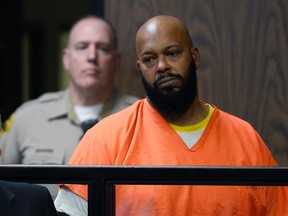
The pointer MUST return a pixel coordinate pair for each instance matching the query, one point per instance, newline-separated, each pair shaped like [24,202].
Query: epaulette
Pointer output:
[51,96]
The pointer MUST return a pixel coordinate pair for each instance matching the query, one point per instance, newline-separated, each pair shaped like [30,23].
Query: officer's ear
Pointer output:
[66,59]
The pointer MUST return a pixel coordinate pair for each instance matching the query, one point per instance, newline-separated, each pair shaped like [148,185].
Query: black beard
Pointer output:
[173,102]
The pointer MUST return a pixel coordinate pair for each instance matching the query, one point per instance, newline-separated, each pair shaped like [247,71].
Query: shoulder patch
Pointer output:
[7,125]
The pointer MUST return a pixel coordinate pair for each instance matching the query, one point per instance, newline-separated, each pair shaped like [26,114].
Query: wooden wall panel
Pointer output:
[244,56]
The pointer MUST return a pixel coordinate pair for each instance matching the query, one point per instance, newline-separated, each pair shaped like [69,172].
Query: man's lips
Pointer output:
[90,71]
[168,82]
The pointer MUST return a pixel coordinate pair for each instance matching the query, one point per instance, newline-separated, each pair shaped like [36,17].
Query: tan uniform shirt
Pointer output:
[46,130]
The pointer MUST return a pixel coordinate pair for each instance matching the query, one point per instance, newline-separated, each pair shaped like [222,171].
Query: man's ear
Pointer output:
[138,64]
[196,56]
[66,59]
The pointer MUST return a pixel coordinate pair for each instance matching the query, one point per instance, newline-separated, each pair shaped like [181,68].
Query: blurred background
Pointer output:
[243,47]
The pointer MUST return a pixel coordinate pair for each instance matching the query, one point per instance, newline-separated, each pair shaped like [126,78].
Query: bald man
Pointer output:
[48,129]
[172,126]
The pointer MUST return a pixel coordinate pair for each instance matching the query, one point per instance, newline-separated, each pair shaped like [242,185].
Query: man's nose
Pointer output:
[92,53]
[162,65]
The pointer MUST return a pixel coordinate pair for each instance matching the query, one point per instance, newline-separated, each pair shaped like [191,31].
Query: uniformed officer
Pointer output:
[47,130]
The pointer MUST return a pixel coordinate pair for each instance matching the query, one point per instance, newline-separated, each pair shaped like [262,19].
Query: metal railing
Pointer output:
[101,180]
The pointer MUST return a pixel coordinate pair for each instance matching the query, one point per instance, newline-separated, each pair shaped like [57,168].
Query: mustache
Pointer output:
[168,74]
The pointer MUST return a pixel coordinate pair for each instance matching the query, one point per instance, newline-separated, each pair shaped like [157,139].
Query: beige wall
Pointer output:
[244,56]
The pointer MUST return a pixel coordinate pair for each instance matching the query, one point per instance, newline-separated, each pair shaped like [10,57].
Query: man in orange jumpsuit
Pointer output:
[172,126]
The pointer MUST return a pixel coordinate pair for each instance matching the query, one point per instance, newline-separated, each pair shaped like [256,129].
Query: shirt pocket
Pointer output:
[44,156]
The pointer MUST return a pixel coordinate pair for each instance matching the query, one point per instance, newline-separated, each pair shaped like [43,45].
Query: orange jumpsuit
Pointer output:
[139,135]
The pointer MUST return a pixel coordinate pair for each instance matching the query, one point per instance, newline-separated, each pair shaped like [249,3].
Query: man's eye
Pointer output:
[81,47]
[172,54]
[148,59]
[104,49]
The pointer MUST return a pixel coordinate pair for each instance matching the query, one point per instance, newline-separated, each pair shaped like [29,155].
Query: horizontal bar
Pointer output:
[165,175]
[102,179]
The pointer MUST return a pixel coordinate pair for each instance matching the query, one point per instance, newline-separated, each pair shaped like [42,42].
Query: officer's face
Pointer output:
[91,58]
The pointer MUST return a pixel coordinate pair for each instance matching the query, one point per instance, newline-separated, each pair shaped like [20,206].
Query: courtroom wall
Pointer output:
[244,56]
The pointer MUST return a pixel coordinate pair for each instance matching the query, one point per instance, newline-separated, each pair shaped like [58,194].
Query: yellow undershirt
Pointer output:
[192,133]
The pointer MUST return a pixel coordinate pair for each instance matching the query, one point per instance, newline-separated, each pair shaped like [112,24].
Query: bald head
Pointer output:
[162,27]
[91,21]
